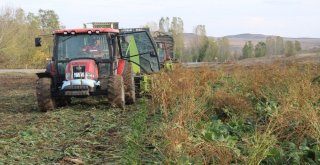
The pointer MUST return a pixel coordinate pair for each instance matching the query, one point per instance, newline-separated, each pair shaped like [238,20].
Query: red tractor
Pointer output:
[94,61]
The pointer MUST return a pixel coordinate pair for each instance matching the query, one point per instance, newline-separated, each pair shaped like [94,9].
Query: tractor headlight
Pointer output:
[68,76]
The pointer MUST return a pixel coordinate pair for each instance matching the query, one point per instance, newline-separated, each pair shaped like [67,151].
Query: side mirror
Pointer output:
[37,42]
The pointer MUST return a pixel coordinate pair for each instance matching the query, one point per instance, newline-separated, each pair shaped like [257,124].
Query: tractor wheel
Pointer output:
[115,91]
[129,86]
[44,97]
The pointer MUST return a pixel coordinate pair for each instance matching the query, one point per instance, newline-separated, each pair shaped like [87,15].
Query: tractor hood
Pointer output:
[82,69]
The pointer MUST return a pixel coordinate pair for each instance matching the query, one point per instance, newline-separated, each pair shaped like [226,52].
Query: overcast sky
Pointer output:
[287,18]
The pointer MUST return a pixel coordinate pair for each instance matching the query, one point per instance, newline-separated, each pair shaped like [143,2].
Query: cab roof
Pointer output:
[86,30]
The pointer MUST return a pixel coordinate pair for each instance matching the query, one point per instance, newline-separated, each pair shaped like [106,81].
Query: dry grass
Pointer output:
[228,115]
[278,100]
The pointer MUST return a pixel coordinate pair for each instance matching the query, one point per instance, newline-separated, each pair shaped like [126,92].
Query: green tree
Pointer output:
[17,33]
[271,44]
[224,49]
[279,45]
[176,29]
[201,42]
[248,50]
[260,49]
[275,46]
[164,24]
[8,31]
[289,49]
[212,51]
[297,46]
[49,20]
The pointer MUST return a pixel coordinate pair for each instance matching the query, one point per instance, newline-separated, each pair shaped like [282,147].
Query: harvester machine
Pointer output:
[165,49]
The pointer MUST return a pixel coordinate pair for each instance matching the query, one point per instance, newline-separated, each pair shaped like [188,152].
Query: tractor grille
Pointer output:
[77,90]
[79,72]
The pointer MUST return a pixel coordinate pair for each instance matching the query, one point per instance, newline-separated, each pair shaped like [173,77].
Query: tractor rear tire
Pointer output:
[129,86]
[115,91]
[44,97]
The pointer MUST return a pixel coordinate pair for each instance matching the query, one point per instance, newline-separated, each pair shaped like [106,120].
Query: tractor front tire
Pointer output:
[115,91]
[44,97]
[129,86]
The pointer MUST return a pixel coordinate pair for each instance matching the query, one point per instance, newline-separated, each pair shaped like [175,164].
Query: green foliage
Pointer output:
[224,49]
[18,31]
[177,29]
[248,50]
[260,49]
[205,49]
[49,20]
[220,132]
[290,49]
[290,153]
[212,51]
[132,154]
[297,46]
[275,46]
[202,42]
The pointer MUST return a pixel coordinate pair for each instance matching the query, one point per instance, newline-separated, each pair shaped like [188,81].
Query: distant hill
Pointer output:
[248,36]
[237,41]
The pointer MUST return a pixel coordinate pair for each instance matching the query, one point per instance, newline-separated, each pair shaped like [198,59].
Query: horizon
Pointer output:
[265,35]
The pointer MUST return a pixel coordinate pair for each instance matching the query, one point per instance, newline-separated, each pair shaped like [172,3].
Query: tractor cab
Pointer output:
[165,45]
[95,61]
[165,49]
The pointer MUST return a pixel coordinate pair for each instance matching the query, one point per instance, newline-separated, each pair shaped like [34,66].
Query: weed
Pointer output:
[245,115]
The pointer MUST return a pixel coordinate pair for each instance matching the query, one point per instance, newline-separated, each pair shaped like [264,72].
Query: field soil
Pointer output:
[254,111]
[89,131]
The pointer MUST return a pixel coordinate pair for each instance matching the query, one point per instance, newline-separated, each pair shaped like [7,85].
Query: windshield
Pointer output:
[82,46]
[138,47]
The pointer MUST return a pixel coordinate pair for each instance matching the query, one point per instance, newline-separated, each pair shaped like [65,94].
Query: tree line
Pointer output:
[207,49]
[17,32]
[272,46]
[201,47]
